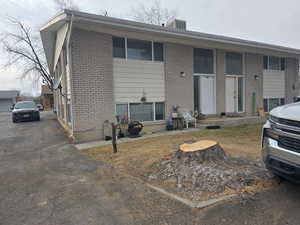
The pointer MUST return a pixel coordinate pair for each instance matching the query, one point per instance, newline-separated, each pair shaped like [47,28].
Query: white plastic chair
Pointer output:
[188,117]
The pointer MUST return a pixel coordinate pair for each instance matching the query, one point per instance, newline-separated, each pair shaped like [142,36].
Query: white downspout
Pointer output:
[69,58]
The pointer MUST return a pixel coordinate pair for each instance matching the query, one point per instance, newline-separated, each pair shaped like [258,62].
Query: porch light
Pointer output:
[182,74]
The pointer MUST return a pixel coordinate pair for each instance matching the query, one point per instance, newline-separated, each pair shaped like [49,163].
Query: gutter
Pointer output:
[79,16]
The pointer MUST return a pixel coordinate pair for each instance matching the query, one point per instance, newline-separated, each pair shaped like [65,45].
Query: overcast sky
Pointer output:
[270,21]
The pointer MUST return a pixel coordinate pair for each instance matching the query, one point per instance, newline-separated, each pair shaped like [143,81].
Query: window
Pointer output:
[159,111]
[122,111]
[25,105]
[141,111]
[274,63]
[158,51]
[137,49]
[271,103]
[203,61]
[240,94]
[119,47]
[196,94]
[266,106]
[266,62]
[234,63]
[282,66]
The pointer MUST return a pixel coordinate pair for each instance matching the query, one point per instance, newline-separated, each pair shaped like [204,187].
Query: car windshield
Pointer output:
[25,105]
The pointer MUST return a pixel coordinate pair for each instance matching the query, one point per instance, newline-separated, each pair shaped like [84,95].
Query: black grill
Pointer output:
[288,143]
[292,123]
[290,131]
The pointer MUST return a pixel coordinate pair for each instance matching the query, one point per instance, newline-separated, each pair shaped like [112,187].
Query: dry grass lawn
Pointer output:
[136,158]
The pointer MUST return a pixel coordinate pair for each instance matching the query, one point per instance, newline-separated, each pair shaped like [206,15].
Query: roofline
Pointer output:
[122,23]
[59,16]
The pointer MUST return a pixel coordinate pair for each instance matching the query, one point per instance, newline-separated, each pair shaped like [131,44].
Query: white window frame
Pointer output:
[153,109]
[268,63]
[152,50]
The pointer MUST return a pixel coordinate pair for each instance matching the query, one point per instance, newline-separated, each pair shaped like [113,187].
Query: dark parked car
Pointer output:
[25,111]
[40,107]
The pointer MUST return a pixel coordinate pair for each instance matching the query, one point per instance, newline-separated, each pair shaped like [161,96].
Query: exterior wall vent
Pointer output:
[177,24]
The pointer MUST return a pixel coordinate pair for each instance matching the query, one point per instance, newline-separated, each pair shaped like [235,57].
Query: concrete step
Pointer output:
[230,122]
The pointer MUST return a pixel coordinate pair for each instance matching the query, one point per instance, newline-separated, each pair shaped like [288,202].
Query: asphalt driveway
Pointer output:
[45,180]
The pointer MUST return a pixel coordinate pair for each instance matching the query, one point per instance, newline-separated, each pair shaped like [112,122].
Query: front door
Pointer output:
[207,94]
[234,94]
[230,94]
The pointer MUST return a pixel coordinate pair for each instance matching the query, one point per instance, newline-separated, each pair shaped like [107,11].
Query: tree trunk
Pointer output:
[200,152]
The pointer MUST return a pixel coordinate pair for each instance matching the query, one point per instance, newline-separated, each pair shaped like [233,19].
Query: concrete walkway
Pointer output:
[94,144]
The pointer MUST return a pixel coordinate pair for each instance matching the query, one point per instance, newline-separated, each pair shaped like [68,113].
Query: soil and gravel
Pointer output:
[218,173]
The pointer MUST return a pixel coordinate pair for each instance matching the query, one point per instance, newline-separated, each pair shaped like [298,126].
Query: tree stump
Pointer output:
[204,166]
[200,152]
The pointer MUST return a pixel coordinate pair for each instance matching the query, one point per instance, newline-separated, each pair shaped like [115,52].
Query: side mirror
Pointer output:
[11,107]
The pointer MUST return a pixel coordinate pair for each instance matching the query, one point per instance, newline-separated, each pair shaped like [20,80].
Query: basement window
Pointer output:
[271,103]
[141,111]
[149,111]
[159,111]
[122,111]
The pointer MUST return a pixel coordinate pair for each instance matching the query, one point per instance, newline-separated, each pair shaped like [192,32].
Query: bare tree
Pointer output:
[25,52]
[104,12]
[154,14]
[66,4]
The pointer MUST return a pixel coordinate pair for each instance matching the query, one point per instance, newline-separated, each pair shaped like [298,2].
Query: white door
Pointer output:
[207,95]
[230,94]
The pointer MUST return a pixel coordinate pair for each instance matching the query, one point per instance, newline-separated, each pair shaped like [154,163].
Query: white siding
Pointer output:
[60,39]
[133,77]
[274,84]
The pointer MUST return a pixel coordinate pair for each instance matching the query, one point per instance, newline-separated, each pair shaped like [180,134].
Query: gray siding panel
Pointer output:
[274,84]
[179,90]
[134,78]
[254,66]
[92,83]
